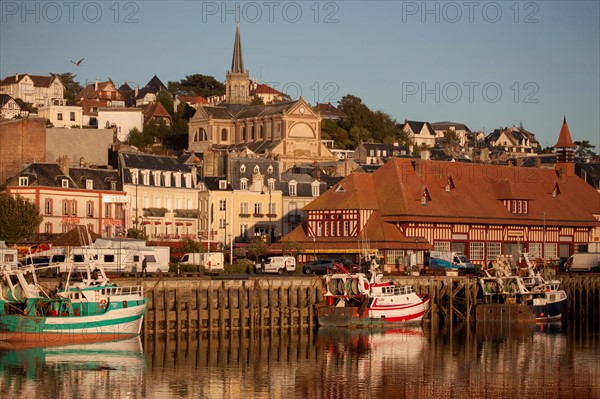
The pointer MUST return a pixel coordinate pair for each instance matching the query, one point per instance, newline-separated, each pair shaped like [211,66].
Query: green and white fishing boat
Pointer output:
[89,310]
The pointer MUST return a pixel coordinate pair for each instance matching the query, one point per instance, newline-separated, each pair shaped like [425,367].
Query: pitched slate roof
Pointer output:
[5,98]
[38,81]
[50,175]
[151,162]
[445,125]
[416,127]
[395,190]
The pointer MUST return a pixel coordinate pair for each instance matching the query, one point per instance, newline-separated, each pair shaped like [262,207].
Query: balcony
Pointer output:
[244,215]
[258,215]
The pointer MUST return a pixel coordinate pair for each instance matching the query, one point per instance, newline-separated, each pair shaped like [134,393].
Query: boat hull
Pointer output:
[373,316]
[507,312]
[115,324]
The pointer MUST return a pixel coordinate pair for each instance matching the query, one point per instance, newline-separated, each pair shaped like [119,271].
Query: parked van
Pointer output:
[584,262]
[278,264]
[449,260]
[8,257]
[213,262]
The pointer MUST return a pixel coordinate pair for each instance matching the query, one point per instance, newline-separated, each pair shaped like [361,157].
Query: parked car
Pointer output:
[348,265]
[318,266]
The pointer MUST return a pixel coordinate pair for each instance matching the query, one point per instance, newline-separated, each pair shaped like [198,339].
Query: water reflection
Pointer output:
[108,369]
[440,361]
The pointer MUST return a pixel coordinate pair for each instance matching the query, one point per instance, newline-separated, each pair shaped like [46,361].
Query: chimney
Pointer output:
[137,88]
[17,77]
[63,163]
[96,85]
[425,155]
[81,162]
[194,171]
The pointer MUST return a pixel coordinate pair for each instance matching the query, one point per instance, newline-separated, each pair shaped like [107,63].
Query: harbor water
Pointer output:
[442,361]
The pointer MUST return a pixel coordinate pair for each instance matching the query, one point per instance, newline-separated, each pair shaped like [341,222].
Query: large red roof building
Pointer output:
[411,206]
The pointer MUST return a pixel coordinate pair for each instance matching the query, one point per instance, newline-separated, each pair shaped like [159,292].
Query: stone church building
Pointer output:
[287,131]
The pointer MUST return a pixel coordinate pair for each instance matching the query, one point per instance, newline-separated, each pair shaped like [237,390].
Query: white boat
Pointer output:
[538,299]
[90,310]
[366,300]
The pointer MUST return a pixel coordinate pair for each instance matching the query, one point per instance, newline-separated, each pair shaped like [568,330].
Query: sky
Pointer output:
[487,64]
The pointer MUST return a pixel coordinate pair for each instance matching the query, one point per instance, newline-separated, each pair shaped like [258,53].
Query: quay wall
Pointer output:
[228,303]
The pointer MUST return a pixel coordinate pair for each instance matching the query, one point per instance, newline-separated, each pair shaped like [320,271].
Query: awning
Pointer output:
[145,222]
[157,222]
[179,223]
[167,223]
[188,223]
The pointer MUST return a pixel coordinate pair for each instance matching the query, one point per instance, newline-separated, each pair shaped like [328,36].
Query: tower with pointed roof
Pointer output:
[237,81]
[565,151]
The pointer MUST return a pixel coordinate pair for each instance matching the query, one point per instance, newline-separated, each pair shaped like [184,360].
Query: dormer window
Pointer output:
[188,180]
[23,181]
[64,183]
[146,177]
[256,169]
[113,186]
[315,186]
[243,169]
[89,184]
[425,197]
[270,169]
[292,187]
[167,177]
[449,185]
[518,206]
[244,184]
[222,184]
[177,177]
[156,175]
[340,189]
[271,184]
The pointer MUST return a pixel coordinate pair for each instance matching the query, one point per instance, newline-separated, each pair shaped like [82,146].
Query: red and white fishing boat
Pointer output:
[365,300]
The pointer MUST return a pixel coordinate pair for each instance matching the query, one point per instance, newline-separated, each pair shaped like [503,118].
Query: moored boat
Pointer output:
[366,300]
[90,310]
[511,296]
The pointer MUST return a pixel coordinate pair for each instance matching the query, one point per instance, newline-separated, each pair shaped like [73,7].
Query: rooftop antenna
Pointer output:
[237,13]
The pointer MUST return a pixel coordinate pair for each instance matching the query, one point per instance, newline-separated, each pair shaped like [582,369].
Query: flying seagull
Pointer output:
[78,63]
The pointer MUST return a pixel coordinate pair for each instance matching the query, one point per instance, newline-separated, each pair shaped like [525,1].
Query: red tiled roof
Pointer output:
[154,110]
[564,138]
[265,89]
[329,110]
[395,189]
[90,92]
[193,99]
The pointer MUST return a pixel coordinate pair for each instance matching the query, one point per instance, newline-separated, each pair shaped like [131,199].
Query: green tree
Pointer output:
[26,106]
[197,85]
[451,137]
[291,248]
[18,218]
[166,100]
[72,88]
[257,247]
[256,100]
[585,149]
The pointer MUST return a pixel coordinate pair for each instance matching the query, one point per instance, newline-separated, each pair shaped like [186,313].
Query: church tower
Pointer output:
[565,151]
[237,80]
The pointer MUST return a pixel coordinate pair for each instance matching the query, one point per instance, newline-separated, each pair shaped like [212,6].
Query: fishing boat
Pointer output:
[506,294]
[366,300]
[91,309]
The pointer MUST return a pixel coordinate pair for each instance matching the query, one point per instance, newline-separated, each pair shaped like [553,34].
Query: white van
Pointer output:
[584,262]
[213,262]
[278,264]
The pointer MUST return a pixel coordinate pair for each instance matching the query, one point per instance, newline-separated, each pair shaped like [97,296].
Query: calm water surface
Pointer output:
[459,361]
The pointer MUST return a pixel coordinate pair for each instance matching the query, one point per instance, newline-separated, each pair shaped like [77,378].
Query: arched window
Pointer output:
[203,135]
[224,135]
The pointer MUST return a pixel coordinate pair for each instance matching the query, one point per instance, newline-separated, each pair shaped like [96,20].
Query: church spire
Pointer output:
[237,63]
[237,80]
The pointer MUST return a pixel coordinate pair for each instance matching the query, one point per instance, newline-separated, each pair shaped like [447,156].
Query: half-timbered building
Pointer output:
[412,206]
